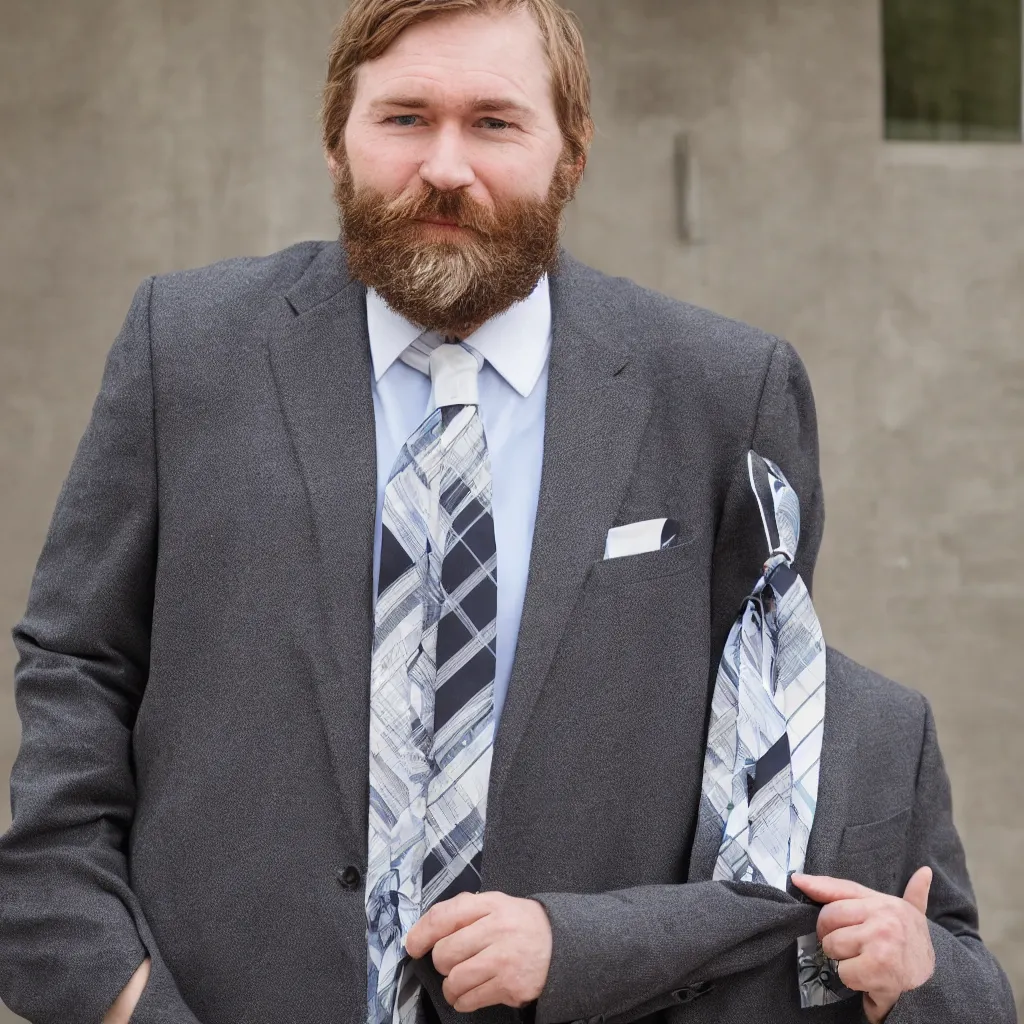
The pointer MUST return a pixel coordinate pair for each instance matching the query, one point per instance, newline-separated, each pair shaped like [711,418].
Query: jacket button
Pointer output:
[350,877]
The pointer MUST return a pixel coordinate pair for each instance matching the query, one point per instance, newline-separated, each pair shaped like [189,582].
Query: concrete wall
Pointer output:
[144,135]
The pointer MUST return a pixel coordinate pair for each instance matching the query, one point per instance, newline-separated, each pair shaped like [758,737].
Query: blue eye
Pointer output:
[405,120]
[495,124]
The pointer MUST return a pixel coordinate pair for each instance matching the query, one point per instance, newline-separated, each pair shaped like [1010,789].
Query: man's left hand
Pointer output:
[882,942]
[492,949]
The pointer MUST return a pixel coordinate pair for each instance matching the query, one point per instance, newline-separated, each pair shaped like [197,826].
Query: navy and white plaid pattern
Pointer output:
[763,752]
[432,683]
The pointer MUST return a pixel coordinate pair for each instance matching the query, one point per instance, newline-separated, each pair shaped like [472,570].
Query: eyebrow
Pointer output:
[483,105]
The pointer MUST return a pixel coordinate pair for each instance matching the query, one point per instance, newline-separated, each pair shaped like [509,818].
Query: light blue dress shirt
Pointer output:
[513,390]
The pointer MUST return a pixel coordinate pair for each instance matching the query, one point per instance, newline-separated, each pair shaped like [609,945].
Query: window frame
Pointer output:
[924,143]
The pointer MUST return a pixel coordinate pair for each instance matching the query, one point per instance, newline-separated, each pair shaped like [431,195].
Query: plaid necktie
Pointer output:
[767,717]
[431,678]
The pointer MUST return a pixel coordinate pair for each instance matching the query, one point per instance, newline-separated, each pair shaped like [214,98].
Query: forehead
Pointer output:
[456,56]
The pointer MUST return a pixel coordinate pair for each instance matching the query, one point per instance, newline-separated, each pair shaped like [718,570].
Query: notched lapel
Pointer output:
[320,359]
[596,412]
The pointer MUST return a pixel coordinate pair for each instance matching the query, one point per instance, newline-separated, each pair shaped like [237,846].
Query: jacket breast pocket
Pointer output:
[641,635]
[647,565]
[872,853]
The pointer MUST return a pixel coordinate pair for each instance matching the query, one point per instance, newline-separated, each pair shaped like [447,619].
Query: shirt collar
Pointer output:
[516,343]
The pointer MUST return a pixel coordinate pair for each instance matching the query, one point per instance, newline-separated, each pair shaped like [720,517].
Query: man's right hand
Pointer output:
[124,1005]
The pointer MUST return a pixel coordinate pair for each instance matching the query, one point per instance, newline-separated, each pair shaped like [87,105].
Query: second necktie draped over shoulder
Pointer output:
[761,765]
[432,679]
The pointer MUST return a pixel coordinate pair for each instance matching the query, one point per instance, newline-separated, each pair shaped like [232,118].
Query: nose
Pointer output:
[446,166]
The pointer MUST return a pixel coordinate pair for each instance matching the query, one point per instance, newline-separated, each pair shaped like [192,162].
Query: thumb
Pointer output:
[916,893]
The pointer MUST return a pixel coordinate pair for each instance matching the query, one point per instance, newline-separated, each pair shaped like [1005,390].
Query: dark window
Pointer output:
[953,70]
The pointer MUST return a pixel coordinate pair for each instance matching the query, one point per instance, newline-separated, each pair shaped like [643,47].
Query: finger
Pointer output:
[864,973]
[458,947]
[444,918]
[916,893]
[846,943]
[824,889]
[842,914]
[853,973]
[488,994]
[470,982]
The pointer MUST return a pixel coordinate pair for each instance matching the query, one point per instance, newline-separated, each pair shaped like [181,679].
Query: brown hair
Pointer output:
[369,27]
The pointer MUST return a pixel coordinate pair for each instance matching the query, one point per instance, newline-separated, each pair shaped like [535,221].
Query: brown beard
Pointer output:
[451,286]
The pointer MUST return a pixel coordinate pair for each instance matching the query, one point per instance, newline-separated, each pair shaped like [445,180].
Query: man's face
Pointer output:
[453,177]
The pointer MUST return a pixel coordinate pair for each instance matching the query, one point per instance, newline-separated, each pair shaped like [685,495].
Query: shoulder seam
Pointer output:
[764,387]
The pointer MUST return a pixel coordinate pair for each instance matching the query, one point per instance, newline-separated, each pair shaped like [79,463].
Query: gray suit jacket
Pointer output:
[192,783]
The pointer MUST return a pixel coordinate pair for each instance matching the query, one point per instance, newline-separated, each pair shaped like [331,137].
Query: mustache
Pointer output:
[446,204]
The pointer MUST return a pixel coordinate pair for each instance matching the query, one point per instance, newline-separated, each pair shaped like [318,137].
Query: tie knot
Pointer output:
[454,372]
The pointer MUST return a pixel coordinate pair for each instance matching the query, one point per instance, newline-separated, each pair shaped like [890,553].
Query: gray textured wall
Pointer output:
[144,135]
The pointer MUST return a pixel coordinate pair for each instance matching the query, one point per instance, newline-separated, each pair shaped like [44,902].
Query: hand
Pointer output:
[882,942]
[124,1005]
[492,949]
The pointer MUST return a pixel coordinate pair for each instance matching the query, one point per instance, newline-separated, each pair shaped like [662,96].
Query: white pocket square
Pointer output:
[635,538]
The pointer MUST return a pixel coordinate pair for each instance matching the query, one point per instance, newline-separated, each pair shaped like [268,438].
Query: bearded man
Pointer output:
[368,666]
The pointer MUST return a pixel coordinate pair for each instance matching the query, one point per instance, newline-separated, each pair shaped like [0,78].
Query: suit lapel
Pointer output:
[320,359]
[596,412]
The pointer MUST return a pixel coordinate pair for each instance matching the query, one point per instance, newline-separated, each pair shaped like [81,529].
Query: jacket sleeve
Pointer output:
[72,932]
[968,985]
[678,939]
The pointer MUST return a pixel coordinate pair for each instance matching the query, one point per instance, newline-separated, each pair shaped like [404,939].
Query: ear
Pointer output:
[332,164]
[579,165]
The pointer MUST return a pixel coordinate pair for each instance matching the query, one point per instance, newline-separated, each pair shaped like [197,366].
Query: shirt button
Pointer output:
[350,877]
